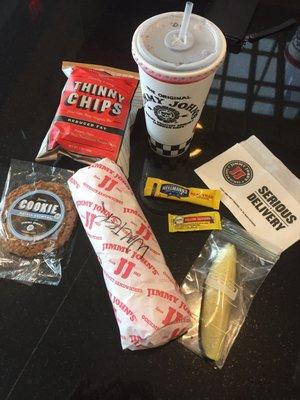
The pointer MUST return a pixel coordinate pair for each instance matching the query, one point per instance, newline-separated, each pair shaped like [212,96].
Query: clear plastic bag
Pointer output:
[220,287]
[37,223]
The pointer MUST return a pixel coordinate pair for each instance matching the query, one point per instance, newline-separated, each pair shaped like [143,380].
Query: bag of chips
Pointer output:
[97,109]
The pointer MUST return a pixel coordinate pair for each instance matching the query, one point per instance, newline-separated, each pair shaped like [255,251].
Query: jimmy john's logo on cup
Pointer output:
[166,111]
[166,114]
[237,172]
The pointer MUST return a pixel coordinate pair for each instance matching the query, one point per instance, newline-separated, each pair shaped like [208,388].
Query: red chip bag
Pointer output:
[94,117]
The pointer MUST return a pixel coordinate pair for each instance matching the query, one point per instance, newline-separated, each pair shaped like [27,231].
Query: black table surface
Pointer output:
[63,342]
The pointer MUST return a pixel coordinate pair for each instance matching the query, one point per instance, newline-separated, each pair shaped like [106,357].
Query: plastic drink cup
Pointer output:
[177,55]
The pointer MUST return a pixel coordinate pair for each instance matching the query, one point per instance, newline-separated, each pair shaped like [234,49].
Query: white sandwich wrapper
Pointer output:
[147,302]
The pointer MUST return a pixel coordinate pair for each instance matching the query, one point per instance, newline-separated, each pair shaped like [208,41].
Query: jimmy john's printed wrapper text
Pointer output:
[147,302]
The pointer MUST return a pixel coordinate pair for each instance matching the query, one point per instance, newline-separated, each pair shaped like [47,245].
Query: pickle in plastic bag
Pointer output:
[220,287]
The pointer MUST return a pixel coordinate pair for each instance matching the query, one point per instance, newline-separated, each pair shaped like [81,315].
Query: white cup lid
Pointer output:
[155,42]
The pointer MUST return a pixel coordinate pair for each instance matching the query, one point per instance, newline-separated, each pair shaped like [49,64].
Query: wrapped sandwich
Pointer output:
[149,307]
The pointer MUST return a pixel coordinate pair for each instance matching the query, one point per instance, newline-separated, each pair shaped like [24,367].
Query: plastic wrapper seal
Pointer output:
[97,109]
[37,222]
[220,287]
[147,302]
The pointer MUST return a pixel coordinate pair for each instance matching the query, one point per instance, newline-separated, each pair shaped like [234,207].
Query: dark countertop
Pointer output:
[60,342]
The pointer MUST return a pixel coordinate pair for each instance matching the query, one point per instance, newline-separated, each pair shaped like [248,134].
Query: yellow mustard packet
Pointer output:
[156,187]
[194,222]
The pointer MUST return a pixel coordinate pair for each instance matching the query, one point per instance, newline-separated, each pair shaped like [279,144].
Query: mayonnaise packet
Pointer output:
[156,187]
[194,222]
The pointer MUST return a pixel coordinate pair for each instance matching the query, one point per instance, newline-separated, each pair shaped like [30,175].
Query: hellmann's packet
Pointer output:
[156,187]
[260,191]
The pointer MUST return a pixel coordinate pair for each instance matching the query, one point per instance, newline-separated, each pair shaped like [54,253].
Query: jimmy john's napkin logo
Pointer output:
[166,114]
[174,190]
[35,215]
[237,172]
